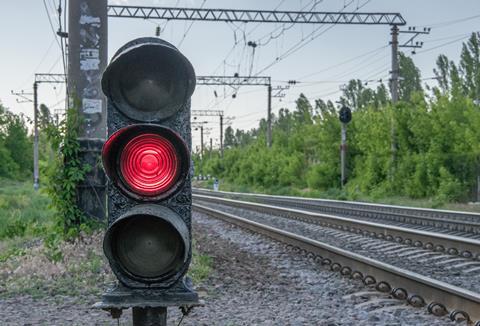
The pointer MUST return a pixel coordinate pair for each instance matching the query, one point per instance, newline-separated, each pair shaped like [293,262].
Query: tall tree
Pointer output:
[442,73]
[18,143]
[410,79]
[229,139]
[470,66]
[356,95]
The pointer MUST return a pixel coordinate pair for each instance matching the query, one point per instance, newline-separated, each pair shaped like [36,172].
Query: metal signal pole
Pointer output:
[343,152]
[87,59]
[345,116]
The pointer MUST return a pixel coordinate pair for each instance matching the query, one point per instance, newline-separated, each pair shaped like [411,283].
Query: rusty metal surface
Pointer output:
[418,290]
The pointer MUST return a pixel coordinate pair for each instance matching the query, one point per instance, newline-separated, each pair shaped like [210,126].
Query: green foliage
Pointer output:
[410,81]
[201,266]
[16,159]
[23,212]
[65,174]
[438,140]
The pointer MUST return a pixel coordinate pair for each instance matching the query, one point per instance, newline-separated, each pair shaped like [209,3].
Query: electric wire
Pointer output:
[189,27]
[42,60]
[451,22]
[299,45]
[283,26]
[442,45]
[51,24]
[249,33]
[343,62]
[296,47]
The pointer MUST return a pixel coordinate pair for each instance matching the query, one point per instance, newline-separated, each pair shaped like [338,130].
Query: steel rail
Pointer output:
[453,245]
[452,220]
[418,290]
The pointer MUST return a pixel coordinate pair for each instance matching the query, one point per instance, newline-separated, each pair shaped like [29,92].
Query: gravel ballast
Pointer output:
[432,264]
[259,282]
[253,281]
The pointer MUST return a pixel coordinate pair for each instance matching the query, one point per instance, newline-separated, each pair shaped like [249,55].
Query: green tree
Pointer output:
[470,66]
[410,79]
[19,144]
[229,138]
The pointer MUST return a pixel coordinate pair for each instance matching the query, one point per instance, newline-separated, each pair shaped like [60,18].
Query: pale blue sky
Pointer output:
[29,46]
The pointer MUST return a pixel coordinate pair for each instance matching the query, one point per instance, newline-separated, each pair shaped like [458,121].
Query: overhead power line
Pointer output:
[51,24]
[452,22]
[189,27]
[310,37]
[444,44]
[371,52]
[246,35]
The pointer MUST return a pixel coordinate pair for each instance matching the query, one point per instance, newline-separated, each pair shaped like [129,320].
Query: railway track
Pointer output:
[462,224]
[417,289]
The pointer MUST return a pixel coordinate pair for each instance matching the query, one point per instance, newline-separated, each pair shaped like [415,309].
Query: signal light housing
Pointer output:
[149,80]
[148,86]
[148,245]
[147,162]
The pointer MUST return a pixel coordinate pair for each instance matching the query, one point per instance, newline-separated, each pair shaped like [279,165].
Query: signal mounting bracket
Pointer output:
[120,297]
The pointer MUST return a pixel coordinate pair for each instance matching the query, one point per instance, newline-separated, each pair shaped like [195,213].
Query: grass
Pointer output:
[200,267]
[23,211]
[35,260]
[341,195]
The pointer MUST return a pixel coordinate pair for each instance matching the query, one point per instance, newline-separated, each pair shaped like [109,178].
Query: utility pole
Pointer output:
[394,91]
[269,117]
[87,59]
[278,93]
[221,137]
[395,67]
[36,173]
[199,125]
[241,81]
[211,146]
[39,78]
[414,33]
[209,113]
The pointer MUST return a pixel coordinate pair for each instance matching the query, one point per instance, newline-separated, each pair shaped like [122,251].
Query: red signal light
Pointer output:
[146,161]
[149,164]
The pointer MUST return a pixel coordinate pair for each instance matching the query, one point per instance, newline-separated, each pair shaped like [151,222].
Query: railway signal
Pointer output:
[148,85]
[345,116]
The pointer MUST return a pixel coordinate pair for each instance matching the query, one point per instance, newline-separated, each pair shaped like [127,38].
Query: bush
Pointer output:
[449,189]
